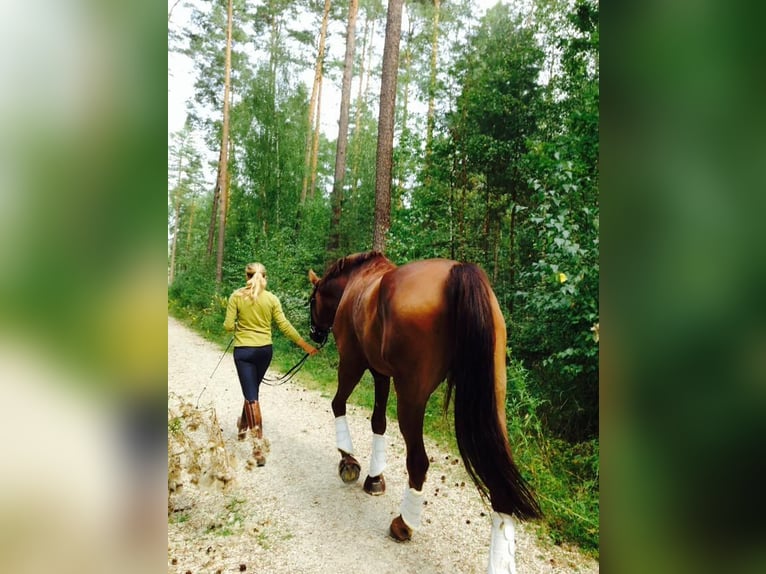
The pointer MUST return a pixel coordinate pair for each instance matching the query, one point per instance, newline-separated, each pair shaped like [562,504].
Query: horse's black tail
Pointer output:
[481,436]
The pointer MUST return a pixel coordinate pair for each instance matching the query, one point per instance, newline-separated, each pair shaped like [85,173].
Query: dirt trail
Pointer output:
[295,516]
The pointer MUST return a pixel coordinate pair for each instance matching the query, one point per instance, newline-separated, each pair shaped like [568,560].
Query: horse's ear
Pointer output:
[313,277]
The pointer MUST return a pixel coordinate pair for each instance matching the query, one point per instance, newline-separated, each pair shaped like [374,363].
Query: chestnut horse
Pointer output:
[422,323]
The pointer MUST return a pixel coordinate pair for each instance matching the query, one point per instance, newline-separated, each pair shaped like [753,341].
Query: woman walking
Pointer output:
[250,313]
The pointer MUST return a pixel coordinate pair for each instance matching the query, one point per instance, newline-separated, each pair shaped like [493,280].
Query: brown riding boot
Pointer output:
[255,422]
[242,425]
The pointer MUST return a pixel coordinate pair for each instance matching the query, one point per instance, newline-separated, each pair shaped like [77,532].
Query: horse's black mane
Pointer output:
[348,264]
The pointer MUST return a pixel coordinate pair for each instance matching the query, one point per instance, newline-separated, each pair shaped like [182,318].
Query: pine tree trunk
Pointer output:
[512,265]
[485,238]
[333,243]
[190,225]
[176,211]
[214,211]
[313,107]
[315,143]
[172,275]
[385,149]
[407,71]
[223,162]
[361,97]
[432,81]
[496,251]
[397,182]
[272,126]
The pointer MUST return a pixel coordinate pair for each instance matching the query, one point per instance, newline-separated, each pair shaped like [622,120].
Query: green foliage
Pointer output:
[192,290]
[359,199]
[557,295]
[564,475]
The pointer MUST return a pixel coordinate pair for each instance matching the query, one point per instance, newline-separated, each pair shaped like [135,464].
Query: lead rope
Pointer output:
[214,370]
[275,382]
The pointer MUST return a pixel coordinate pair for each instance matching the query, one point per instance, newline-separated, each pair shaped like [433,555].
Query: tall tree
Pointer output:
[211,36]
[223,180]
[333,243]
[313,107]
[315,143]
[361,100]
[185,171]
[498,109]
[432,79]
[385,149]
[407,138]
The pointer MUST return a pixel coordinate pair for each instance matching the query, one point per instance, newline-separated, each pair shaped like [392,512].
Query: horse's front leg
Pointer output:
[348,377]
[411,425]
[375,484]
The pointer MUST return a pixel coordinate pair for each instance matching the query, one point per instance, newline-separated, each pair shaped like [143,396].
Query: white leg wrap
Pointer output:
[343,435]
[412,507]
[378,458]
[502,546]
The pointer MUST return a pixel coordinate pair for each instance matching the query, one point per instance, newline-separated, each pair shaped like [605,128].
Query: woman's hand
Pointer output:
[309,349]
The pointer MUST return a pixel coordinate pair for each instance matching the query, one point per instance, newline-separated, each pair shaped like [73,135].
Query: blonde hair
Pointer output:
[256,280]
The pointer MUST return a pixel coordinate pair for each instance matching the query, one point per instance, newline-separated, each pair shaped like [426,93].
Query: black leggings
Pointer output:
[252,363]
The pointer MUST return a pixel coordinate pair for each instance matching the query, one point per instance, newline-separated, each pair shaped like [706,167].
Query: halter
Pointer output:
[317,335]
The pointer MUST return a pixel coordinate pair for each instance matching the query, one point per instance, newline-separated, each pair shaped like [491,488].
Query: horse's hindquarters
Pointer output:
[416,340]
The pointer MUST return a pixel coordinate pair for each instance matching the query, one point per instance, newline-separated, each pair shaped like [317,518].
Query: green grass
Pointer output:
[564,476]
[231,521]
[178,518]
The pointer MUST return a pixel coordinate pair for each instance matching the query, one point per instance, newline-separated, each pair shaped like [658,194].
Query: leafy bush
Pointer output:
[192,289]
[555,326]
[565,476]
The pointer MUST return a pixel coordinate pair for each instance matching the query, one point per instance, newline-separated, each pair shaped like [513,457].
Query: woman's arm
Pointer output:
[290,332]
[231,314]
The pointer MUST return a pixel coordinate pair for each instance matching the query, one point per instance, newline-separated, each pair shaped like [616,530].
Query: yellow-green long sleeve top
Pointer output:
[251,320]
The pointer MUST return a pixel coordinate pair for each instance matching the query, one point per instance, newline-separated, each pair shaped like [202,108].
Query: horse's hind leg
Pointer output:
[411,425]
[348,377]
[375,484]
[502,545]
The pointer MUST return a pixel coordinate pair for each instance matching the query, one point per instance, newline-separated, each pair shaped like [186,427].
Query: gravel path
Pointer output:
[295,516]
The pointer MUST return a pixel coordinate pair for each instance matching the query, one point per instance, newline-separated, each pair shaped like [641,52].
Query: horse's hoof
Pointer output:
[349,469]
[399,530]
[375,486]
[259,456]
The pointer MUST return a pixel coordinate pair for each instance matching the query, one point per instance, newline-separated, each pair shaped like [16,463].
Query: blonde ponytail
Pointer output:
[256,280]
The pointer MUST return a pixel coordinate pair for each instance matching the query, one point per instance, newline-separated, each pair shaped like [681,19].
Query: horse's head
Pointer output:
[329,289]
[323,304]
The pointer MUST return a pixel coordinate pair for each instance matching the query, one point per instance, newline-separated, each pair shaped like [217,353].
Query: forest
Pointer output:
[462,133]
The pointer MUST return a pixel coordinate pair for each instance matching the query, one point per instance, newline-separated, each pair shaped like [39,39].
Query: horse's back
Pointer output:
[416,290]
[412,307]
